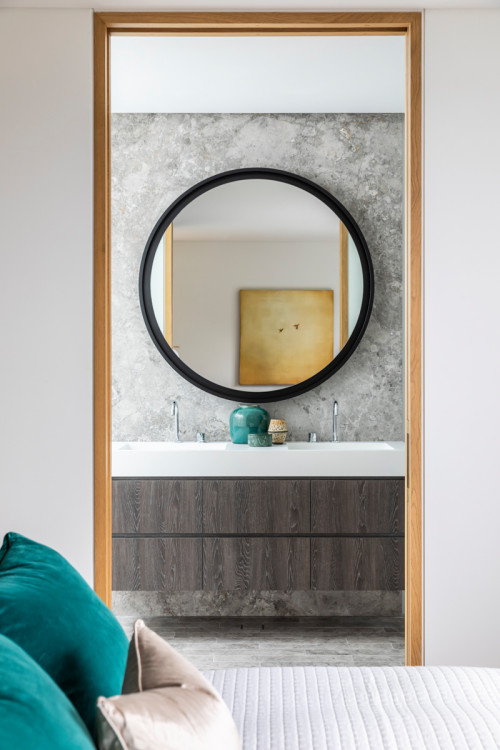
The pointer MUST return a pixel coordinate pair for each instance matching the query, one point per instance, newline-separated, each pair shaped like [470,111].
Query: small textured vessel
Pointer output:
[278,429]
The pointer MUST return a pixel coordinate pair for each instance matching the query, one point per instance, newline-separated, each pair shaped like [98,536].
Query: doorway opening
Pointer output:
[184,138]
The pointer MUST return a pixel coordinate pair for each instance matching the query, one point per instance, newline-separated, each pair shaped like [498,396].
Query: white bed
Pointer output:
[363,708]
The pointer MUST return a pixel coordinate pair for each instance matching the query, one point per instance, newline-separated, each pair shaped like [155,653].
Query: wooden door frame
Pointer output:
[269,24]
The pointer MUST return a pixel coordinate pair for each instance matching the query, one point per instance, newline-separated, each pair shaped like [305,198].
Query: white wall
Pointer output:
[45,236]
[252,5]
[46,279]
[206,305]
[462,323]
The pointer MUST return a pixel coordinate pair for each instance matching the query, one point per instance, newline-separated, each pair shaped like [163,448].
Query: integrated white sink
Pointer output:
[227,460]
[342,447]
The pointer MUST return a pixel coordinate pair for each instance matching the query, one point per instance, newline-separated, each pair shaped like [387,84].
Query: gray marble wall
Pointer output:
[358,158]
[258,603]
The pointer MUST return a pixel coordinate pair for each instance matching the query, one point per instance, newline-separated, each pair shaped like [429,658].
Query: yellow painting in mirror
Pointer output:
[286,335]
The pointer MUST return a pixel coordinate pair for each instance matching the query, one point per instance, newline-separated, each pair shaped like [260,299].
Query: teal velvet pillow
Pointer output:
[50,611]
[34,713]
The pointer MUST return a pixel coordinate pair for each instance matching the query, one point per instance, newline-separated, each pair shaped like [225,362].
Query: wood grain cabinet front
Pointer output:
[149,564]
[256,506]
[258,534]
[357,506]
[357,564]
[256,564]
[156,506]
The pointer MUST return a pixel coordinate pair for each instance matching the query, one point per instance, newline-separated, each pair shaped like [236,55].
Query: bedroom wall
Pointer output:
[461,553]
[462,318]
[46,279]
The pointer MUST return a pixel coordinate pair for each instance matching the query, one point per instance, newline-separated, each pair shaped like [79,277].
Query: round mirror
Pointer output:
[256,285]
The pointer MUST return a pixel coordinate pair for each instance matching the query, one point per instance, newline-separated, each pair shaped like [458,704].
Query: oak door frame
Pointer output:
[408,25]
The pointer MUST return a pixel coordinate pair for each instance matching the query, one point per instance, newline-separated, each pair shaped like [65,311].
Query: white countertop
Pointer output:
[227,460]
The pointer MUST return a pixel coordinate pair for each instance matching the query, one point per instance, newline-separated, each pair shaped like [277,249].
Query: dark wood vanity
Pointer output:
[242,534]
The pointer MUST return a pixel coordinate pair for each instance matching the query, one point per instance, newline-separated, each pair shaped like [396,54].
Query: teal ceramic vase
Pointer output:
[248,420]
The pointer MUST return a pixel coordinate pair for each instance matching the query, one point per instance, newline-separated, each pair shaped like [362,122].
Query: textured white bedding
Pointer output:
[368,708]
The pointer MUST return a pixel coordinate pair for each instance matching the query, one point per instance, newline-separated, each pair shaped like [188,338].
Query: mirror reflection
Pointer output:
[256,285]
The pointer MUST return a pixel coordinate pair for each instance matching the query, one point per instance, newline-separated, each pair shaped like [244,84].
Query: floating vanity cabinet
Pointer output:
[150,564]
[361,547]
[157,506]
[272,511]
[157,525]
[256,564]
[258,535]
[357,506]
[256,506]
[357,564]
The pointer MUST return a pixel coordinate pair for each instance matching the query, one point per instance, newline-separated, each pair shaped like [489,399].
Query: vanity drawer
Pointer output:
[256,564]
[155,506]
[256,506]
[357,564]
[357,506]
[157,564]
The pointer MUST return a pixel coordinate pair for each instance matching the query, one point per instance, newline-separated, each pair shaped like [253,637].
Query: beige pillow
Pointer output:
[166,703]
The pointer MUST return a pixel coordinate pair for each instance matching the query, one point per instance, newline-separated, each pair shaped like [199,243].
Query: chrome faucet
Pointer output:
[335,415]
[175,413]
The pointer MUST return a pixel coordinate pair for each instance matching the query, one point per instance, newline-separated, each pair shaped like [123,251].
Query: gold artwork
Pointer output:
[286,335]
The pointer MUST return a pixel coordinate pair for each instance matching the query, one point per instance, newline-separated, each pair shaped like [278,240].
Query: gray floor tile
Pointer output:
[211,643]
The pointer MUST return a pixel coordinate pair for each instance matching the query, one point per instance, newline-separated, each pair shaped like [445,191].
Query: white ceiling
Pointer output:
[256,210]
[257,74]
[250,5]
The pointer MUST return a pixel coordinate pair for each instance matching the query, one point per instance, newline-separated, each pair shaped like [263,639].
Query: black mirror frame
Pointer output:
[232,394]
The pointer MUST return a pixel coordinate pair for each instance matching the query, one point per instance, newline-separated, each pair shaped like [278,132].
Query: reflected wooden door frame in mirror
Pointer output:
[166,221]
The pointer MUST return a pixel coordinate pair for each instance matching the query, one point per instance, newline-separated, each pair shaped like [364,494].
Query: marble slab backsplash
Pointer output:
[359,159]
